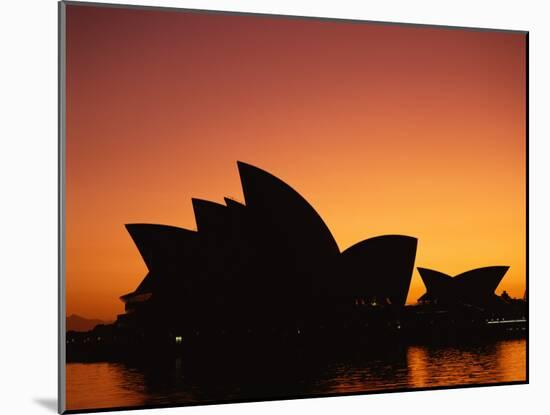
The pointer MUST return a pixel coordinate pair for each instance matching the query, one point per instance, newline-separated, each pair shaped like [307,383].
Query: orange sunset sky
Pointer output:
[382,128]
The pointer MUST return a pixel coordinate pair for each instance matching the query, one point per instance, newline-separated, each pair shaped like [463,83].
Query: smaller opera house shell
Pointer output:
[268,262]
[476,287]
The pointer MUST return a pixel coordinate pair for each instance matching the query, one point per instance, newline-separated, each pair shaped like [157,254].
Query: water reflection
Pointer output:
[303,373]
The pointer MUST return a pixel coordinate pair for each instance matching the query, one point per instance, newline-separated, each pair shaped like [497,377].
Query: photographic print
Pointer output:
[260,207]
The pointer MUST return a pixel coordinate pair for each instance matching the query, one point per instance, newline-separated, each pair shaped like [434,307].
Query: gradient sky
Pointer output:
[382,128]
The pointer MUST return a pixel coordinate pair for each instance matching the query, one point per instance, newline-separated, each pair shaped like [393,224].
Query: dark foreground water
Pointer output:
[305,373]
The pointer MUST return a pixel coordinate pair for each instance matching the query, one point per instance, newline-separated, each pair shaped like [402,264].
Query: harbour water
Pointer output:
[186,380]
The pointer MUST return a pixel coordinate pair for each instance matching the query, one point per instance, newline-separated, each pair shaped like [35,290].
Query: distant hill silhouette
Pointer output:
[78,323]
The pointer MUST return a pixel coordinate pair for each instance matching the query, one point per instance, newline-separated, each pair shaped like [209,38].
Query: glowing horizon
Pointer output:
[384,129]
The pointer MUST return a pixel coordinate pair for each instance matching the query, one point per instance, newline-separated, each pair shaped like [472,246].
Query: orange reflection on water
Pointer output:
[462,365]
[512,360]
[416,358]
[102,385]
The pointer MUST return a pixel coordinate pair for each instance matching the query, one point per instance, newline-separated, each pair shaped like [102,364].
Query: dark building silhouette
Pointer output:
[375,269]
[266,277]
[270,262]
[476,287]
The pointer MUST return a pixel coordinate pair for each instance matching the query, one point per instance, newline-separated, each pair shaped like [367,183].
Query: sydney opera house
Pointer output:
[270,269]
[270,262]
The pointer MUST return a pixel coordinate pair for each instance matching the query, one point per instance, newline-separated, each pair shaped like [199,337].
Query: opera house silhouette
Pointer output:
[268,273]
[476,287]
[270,262]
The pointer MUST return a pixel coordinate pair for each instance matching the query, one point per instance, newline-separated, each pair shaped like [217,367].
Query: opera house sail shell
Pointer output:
[268,262]
[379,270]
[476,287]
